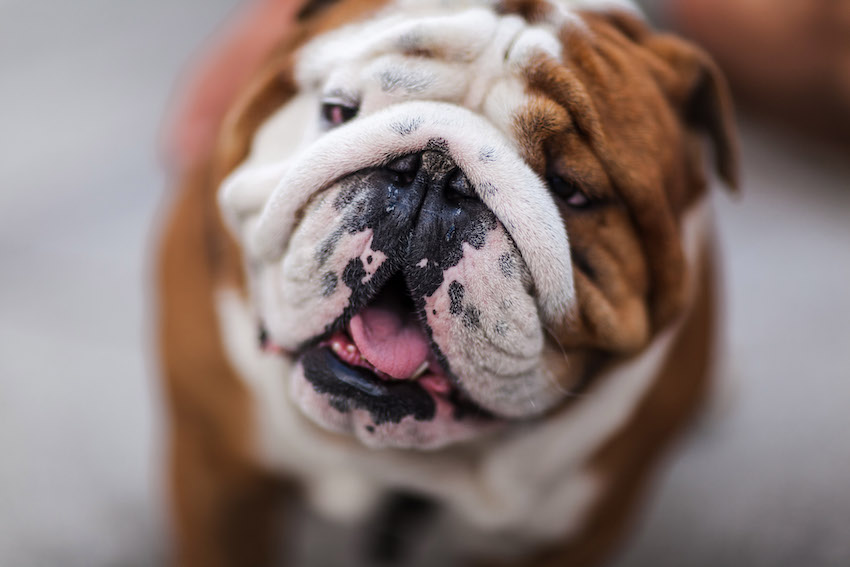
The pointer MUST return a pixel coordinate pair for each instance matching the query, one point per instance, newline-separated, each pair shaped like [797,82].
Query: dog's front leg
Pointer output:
[223,504]
[224,512]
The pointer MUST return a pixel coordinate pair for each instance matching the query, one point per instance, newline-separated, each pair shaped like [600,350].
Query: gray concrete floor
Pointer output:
[765,481]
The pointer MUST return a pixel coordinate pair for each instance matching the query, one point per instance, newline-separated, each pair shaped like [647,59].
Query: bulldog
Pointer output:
[444,290]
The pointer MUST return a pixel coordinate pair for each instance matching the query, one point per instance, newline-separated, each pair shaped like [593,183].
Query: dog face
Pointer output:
[466,209]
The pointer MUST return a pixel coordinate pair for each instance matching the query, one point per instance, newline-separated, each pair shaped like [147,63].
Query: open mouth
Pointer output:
[382,365]
[384,354]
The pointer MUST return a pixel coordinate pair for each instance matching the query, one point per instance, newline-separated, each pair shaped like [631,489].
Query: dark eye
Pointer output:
[569,191]
[336,113]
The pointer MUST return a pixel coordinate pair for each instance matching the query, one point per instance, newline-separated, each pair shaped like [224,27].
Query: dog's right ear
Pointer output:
[698,88]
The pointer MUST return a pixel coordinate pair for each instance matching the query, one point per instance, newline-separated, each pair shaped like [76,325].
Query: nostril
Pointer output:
[459,186]
[406,167]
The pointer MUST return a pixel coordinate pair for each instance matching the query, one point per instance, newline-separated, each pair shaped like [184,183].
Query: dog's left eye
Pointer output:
[335,113]
[569,191]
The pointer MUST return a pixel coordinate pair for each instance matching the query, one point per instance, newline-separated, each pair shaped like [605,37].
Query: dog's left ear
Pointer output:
[697,87]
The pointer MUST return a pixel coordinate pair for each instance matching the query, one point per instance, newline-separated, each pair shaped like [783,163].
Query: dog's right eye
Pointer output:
[569,191]
[335,113]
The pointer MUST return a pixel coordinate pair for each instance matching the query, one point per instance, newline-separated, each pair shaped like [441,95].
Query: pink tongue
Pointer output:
[393,345]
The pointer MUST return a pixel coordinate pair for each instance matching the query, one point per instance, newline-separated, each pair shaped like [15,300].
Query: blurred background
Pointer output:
[764,480]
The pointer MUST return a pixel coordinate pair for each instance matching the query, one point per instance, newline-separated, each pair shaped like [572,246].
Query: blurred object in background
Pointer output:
[787,59]
[222,71]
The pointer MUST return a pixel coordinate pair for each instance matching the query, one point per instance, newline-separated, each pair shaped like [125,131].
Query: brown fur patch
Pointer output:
[638,157]
[312,7]
[223,503]
[532,11]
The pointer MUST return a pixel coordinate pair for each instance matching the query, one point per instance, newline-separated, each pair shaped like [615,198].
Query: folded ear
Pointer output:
[695,90]
[697,87]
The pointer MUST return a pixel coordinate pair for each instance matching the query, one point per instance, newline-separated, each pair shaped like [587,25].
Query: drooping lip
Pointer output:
[353,387]
[381,414]
[336,368]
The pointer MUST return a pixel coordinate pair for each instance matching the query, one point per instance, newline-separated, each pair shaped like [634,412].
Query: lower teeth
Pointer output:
[420,371]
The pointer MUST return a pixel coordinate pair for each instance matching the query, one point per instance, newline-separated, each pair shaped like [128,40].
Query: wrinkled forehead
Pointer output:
[460,33]
[459,51]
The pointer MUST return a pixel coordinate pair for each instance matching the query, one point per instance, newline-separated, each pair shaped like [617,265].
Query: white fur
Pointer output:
[250,185]
[535,483]
[600,5]
[517,196]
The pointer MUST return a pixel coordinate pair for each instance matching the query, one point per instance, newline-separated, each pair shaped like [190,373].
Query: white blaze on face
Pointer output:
[517,196]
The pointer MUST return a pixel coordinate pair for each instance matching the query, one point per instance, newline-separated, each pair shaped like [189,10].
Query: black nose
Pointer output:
[422,211]
[433,172]
[406,167]
[430,200]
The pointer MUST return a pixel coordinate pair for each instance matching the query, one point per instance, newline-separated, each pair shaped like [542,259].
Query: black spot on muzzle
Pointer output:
[421,208]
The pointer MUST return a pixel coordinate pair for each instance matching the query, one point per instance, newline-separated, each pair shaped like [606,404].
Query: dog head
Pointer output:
[451,215]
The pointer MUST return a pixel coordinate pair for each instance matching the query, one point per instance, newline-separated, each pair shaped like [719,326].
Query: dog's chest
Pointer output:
[402,530]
